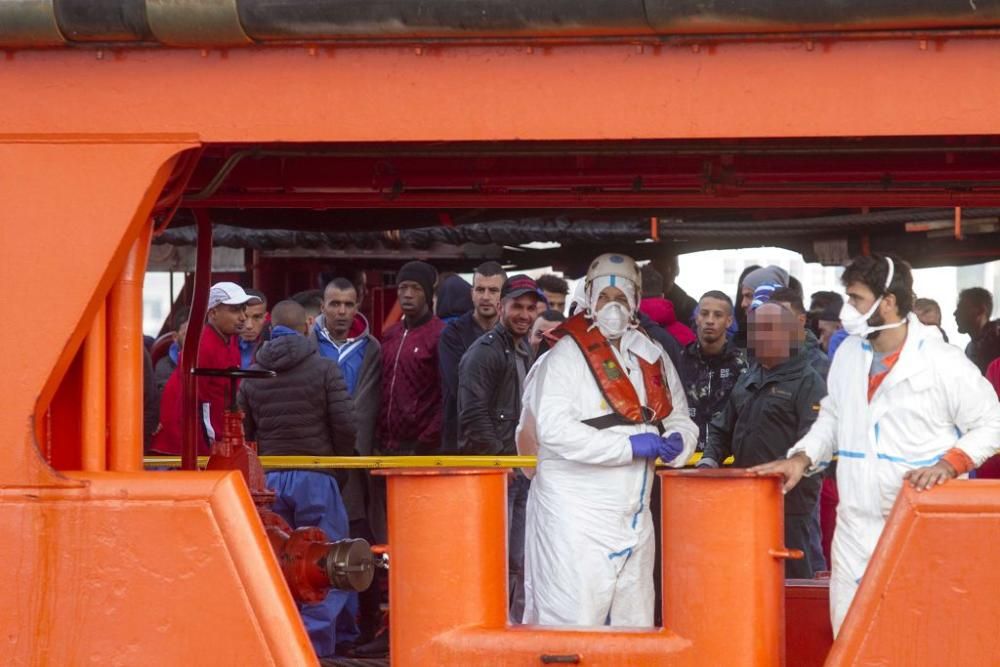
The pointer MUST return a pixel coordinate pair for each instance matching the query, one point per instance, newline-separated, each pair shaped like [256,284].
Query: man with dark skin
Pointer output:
[491,379]
[487,280]
[903,406]
[972,315]
[410,421]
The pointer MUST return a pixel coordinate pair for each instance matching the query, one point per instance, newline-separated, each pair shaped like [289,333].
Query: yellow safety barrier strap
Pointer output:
[323,462]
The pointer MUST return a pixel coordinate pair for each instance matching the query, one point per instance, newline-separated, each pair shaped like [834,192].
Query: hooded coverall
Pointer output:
[589,536]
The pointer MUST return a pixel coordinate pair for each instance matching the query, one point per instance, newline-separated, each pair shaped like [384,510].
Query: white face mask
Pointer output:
[856,324]
[612,320]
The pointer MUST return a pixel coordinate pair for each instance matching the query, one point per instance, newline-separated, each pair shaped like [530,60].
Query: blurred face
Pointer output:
[255,322]
[227,320]
[967,316]
[412,299]
[612,295]
[774,334]
[486,295]
[556,301]
[340,306]
[519,314]
[538,330]
[715,316]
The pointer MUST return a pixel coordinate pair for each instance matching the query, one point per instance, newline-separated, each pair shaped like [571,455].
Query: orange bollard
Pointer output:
[447,556]
[723,568]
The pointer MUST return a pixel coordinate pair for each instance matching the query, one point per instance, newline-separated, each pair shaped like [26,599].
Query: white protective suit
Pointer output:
[933,399]
[589,537]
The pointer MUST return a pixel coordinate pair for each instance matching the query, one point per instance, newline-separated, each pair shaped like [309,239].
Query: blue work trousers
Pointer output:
[306,498]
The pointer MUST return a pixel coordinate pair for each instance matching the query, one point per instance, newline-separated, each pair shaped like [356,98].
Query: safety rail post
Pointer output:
[723,558]
[125,359]
[447,545]
[93,415]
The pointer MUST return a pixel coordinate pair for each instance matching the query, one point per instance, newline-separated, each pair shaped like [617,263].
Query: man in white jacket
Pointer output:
[902,405]
[598,409]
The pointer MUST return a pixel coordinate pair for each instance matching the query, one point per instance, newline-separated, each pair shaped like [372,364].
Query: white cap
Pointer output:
[230,294]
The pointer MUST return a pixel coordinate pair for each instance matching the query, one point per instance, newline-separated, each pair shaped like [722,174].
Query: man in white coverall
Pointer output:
[598,409]
[902,405]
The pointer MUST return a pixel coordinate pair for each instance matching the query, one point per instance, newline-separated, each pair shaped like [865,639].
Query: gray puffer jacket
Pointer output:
[305,410]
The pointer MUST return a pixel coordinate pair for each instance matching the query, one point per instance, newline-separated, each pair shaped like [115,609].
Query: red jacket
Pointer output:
[411,388]
[212,396]
[661,311]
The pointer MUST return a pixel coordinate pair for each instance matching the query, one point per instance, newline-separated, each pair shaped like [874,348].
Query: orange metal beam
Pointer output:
[71,213]
[900,87]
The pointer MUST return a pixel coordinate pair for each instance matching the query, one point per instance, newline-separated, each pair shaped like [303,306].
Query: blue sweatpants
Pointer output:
[306,498]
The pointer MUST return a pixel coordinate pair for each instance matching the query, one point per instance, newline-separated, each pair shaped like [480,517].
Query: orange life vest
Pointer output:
[613,380]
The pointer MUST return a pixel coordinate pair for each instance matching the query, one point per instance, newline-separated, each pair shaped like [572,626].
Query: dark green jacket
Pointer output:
[767,412]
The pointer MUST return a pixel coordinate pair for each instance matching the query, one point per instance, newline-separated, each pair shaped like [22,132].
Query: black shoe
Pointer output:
[376,648]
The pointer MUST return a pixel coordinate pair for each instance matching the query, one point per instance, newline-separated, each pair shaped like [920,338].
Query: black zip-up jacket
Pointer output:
[305,410]
[767,412]
[489,394]
[455,340]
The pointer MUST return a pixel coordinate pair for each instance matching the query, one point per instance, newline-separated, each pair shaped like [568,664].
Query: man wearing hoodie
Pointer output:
[454,298]
[487,279]
[773,276]
[304,411]
[343,336]
[771,407]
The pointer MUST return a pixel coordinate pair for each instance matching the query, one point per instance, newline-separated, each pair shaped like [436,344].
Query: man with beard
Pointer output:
[487,280]
[250,335]
[491,376]
[903,405]
[598,409]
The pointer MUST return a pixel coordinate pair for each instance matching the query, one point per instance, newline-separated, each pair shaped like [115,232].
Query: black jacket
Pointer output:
[767,412]
[305,410]
[455,340]
[489,393]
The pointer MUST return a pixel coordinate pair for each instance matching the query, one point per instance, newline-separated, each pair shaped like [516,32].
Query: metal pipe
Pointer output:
[93,452]
[125,359]
[189,356]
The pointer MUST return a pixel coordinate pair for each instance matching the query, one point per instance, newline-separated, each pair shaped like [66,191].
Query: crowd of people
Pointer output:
[846,399]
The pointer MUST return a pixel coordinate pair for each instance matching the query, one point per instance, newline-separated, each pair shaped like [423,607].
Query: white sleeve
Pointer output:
[556,406]
[974,408]
[679,420]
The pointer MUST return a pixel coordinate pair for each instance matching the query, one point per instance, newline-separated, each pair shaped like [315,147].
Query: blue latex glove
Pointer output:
[670,447]
[645,445]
